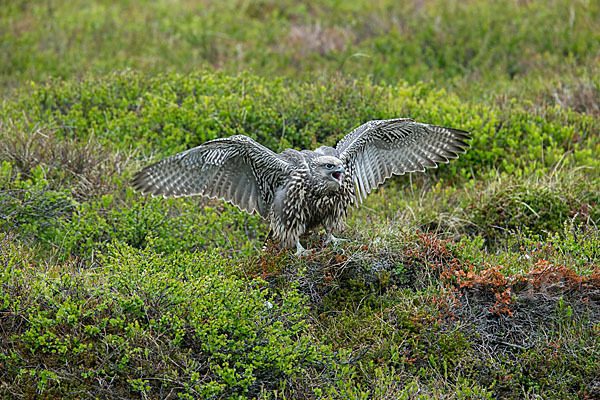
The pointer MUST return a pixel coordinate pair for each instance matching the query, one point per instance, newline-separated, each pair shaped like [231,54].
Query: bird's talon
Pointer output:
[336,241]
[301,251]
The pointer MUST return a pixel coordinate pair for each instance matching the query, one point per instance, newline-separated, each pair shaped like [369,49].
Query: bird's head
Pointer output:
[330,171]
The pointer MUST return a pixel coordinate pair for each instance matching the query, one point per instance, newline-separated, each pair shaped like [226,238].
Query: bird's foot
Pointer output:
[330,238]
[301,251]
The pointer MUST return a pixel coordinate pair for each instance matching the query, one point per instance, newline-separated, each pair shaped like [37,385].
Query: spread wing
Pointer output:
[379,149]
[235,169]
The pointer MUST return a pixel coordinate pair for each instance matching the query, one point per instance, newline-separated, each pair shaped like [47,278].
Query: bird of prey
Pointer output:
[298,191]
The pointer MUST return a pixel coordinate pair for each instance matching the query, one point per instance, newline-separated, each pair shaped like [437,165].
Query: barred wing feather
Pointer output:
[379,149]
[235,169]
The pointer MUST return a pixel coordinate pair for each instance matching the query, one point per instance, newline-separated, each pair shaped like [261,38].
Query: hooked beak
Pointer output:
[338,174]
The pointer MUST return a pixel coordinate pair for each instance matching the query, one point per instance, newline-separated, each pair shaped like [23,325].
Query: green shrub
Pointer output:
[534,206]
[144,324]
[46,213]
[105,293]
[478,46]
[29,205]
[513,146]
[175,225]
[166,114]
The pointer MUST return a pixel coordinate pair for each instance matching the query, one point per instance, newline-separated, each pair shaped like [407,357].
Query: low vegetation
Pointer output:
[478,48]
[479,279]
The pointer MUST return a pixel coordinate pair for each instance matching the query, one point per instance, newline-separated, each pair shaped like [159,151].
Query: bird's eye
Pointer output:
[329,166]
